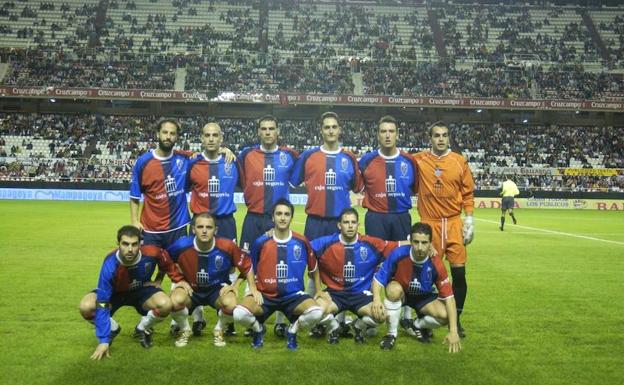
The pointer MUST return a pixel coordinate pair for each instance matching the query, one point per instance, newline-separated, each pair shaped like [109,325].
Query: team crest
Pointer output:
[344,164]
[219,261]
[283,159]
[180,164]
[403,168]
[437,172]
[363,253]
[297,252]
[228,168]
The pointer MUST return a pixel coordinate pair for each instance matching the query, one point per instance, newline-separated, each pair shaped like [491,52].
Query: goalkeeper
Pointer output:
[445,188]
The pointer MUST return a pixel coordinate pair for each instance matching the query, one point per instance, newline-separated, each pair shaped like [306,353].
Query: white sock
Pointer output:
[365,322]
[224,319]
[340,317]
[149,320]
[394,313]
[310,317]
[407,312]
[280,318]
[293,328]
[114,324]
[181,318]
[243,316]
[427,322]
[233,277]
[330,323]
[198,314]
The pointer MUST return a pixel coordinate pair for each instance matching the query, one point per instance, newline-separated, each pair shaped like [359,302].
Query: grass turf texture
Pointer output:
[543,308]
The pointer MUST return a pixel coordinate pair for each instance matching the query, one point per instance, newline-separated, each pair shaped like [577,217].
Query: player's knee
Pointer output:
[164,305]
[87,307]
[178,298]
[243,316]
[228,304]
[394,291]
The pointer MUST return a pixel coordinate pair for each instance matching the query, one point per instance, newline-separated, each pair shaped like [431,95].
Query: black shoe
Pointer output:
[198,326]
[358,335]
[387,342]
[249,332]
[501,228]
[113,334]
[422,335]
[460,330]
[280,330]
[318,331]
[345,331]
[229,330]
[407,325]
[144,336]
[514,220]
[334,337]
[174,330]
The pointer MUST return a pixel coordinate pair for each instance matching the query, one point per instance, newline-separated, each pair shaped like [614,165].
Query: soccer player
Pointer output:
[508,191]
[445,187]
[125,280]
[205,261]
[265,173]
[160,175]
[279,263]
[329,172]
[409,275]
[390,177]
[212,181]
[347,262]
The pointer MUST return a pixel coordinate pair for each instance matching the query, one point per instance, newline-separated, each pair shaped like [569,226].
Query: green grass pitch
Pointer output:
[544,307]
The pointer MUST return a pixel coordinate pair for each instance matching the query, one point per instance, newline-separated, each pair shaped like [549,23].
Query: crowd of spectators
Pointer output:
[100,147]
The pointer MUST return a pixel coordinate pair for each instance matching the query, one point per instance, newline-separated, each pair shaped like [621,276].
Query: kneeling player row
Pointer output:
[346,263]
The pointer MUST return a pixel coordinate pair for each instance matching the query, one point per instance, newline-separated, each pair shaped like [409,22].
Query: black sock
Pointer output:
[502,221]
[512,217]
[460,288]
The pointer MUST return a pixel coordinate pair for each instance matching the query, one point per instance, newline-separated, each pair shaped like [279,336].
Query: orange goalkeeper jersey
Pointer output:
[445,185]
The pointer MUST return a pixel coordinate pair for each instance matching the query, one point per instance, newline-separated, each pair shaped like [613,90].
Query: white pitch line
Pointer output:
[557,232]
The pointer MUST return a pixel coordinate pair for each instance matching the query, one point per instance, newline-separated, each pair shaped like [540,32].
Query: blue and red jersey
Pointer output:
[118,279]
[328,177]
[416,278]
[280,265]
[389,182]
[265,176]
[350,267]
[204,269]
[162,182]
[212,184]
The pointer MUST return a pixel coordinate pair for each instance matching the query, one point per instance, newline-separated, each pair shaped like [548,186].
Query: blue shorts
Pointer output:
[285,305]
[350,301]
[391,227]
[207,297]
[316,227]
[419,301]
[507,203]
[254,226]
[164,240]
[227,227]
[135,299]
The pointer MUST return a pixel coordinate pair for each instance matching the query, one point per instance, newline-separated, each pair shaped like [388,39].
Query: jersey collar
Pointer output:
[398,152]
[216,160]
[263,149]
[128,265]
[283,240]
[448,151]
[161,157]
[414,259]
[331,152]
[357,238]
[214,242]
